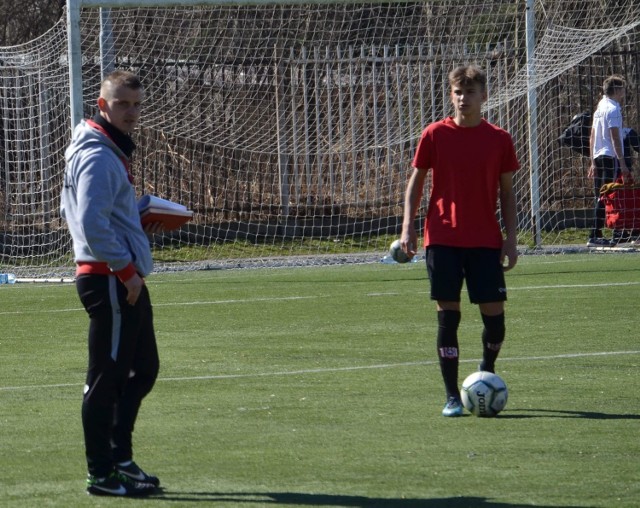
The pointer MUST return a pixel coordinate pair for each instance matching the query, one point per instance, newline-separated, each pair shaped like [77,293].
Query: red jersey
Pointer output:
[466,165]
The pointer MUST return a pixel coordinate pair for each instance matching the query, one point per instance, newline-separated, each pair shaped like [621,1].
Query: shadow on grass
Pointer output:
[559,413]
[301,499]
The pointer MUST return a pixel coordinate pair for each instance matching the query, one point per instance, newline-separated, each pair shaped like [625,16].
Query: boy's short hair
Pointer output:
[467,75]
[120,78]
[613,83]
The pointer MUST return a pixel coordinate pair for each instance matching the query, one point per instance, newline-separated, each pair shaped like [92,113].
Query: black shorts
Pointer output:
[448,267]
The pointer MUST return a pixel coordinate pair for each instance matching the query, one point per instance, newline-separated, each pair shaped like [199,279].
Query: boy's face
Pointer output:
[467,99]
[121,107]
[620,94]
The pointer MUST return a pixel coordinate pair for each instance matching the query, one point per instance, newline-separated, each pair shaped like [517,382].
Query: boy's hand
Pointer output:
[510,252]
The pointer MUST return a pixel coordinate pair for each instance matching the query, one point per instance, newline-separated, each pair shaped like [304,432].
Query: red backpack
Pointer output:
[621,205]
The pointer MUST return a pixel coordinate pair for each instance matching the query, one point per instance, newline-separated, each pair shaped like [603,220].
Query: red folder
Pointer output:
[171,215]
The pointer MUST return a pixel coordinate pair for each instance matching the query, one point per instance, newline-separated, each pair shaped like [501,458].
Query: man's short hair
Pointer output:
[468,75]
[613,83]
[119,78]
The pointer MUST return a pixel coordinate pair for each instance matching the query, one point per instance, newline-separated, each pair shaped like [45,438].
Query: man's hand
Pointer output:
[134,287]
[153,228]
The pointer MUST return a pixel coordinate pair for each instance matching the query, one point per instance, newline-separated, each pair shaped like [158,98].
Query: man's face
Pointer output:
[121,106]
[468,99]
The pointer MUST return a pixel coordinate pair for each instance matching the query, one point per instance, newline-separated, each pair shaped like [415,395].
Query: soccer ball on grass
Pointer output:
[484,393]
[397,254]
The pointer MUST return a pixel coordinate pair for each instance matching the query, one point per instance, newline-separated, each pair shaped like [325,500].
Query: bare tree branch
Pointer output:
[24,20]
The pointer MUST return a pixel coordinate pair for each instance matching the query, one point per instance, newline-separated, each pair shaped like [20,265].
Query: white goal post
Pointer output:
[289,126]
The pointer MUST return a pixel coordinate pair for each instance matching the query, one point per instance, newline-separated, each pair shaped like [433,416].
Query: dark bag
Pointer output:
[576,136]
[631,141]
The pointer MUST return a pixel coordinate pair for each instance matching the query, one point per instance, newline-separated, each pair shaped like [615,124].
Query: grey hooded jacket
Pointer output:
[99,204]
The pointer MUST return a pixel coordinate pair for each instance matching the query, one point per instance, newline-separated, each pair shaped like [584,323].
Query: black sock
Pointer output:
[447,342]
[492,338]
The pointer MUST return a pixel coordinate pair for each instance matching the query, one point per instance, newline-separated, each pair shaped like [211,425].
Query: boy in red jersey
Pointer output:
[472,164]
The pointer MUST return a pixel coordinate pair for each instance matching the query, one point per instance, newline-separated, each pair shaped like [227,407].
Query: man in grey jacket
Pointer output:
[112,256]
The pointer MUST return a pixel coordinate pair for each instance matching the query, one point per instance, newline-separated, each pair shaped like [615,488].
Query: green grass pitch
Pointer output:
[320,387]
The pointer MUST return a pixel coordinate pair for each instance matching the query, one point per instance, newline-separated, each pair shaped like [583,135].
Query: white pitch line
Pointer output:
[313,297]
[335,369]
[524,288]
[245,300]
[184,304]
[389,366]
[565,286]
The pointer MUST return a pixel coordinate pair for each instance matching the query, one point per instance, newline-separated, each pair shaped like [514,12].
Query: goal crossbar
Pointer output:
[195,3]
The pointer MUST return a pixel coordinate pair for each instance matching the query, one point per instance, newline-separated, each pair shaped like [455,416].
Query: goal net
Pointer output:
[289,128]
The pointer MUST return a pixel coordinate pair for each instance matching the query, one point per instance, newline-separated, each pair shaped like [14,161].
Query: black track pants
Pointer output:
[122,368]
